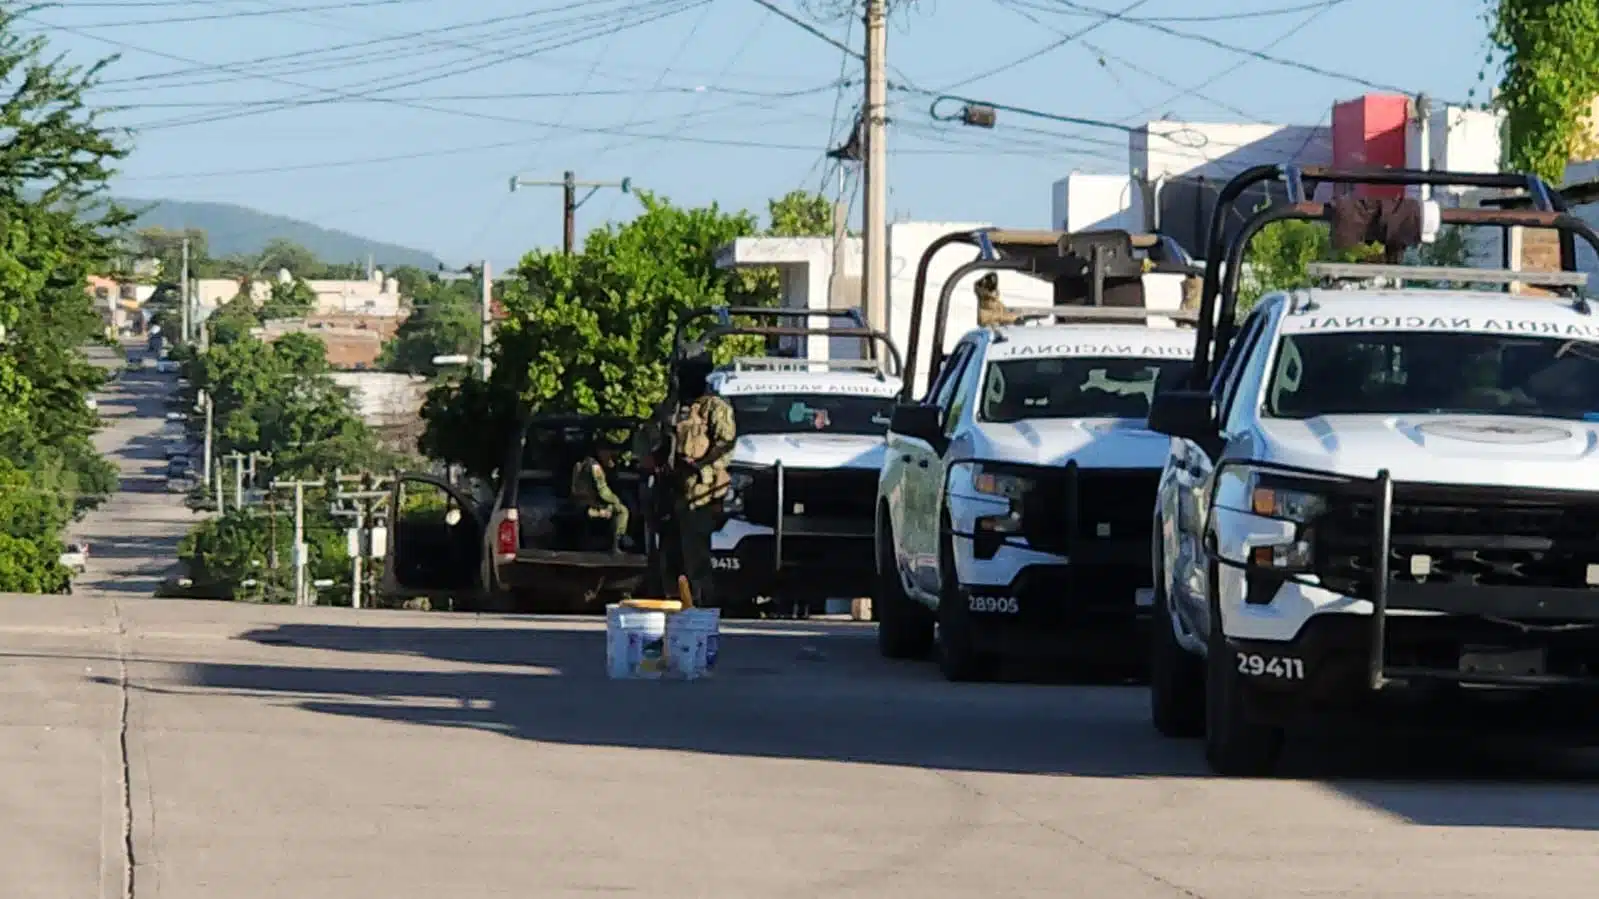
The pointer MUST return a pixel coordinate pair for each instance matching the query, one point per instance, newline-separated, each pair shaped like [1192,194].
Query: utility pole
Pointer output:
[486,338]
[183,292]
[570,202]
[205,455]
[361,540]
[299,553]
[238,476]
[875,235]
[222,495]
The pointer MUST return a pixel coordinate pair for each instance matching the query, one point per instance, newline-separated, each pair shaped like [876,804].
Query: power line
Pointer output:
[1234,48]
[238,14]
[1048,48]
[336,92]
[1043,6]
[1275,42]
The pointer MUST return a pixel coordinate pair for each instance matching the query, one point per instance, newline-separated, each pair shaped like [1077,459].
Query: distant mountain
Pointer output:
[234,229]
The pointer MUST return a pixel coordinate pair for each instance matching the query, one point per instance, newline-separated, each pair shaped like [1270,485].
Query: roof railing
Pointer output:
[782,364]
[1399,274]
[1105,314]
[1225,255]
[1078,264]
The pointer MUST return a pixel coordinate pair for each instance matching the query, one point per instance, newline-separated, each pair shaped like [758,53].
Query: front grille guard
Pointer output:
[779,496]
[1380,492]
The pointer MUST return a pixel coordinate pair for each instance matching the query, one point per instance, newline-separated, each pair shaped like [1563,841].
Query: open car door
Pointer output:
[435,543]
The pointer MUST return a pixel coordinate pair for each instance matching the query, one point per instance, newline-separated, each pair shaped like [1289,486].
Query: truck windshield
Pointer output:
[1430,372]
[811,413]
[1076,387]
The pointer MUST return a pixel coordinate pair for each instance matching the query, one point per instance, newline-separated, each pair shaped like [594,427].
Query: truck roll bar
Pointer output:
[867,334]
[724,317]
[1224,260]
[1066,259]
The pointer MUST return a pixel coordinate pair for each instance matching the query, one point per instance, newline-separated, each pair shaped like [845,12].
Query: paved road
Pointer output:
[133,537]
[258,751]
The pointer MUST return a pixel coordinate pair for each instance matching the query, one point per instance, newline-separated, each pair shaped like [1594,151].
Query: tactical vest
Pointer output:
[694,429]
[584,491]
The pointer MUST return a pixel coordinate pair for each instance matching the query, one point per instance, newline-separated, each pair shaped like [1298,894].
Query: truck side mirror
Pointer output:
[918,421]
[1187,414]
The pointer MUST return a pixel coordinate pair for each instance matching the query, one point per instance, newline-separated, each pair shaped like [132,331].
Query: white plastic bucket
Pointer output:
[693,641]
[635,643]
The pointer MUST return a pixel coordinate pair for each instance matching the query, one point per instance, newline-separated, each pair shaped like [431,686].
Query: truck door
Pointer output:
[435,541]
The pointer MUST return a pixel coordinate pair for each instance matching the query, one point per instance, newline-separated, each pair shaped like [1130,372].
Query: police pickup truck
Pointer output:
[1013,504]
[804,474]
[1379,493]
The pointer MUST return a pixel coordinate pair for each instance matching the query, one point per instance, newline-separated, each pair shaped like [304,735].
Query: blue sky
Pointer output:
[423,109]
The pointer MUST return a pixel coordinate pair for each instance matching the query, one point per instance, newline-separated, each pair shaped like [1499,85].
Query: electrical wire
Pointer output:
[241,14]
[1254,57]
[1046,49]
[1234,48]
[1043,6]
[370,93]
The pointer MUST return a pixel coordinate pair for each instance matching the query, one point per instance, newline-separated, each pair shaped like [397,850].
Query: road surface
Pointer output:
[133,538]
[266,751]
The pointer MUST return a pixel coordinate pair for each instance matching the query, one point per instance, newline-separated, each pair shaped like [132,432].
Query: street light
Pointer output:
[452,359]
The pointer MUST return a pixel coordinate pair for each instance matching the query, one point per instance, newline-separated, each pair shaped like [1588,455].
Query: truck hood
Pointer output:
[810,450]
[1440,449]
[1093,442]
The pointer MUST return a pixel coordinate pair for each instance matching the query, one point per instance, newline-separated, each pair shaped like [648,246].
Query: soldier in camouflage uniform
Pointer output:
[991,311]
[703,437]
[591,490]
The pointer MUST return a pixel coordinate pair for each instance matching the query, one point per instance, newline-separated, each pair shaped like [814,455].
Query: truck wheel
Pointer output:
[904,626]
[1235,746]
[958,656]
[1176,676]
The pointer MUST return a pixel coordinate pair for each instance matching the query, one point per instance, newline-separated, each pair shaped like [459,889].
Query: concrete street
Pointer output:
[133,538]
[281,752]
[180,749]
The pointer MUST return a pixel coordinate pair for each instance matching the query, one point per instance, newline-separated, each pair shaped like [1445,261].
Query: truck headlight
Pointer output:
[1286,499]
[740,481]
[998,483]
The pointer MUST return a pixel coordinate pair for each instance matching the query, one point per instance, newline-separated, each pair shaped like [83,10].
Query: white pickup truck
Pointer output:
[1383,493]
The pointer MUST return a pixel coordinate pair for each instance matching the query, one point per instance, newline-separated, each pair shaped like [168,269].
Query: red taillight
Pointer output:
[505,538]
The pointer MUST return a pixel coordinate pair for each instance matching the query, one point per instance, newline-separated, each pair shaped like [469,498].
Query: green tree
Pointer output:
[1278,256]
[1551,77]
[590,332]
[289,299]
[55,162]
[797,213]
[281,253]
[445,320]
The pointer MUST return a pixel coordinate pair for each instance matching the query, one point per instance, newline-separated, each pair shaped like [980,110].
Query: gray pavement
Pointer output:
[133,537]
[282,752]
[181,749]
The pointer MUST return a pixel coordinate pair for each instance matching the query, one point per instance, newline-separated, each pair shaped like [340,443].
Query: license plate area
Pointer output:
[1144,597]
[1495,661]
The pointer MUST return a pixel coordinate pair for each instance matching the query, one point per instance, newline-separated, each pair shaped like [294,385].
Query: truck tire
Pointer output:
[1176,676]
[904,626]
[958,656]
[1235,745]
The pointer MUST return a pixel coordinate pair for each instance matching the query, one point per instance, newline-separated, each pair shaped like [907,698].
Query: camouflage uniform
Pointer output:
[591,490]
[705,431]
[990,310]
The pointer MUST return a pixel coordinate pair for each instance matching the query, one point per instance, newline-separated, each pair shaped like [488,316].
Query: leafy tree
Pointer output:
[1278,256]
[1551,78]
[590,332]
[55,162]
[223,553]
[286,254]
[289,299]
[445,320]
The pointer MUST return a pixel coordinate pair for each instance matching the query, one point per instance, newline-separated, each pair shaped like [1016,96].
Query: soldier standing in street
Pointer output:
[591,489]
[704,433]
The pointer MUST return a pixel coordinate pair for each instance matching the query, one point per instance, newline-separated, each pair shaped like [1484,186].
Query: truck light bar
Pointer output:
[1100,313]
[779,363]
[1361,272]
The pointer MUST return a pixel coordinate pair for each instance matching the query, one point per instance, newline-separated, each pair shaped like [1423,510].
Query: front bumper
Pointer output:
[796,568]
[1415,586]
[1054,608]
